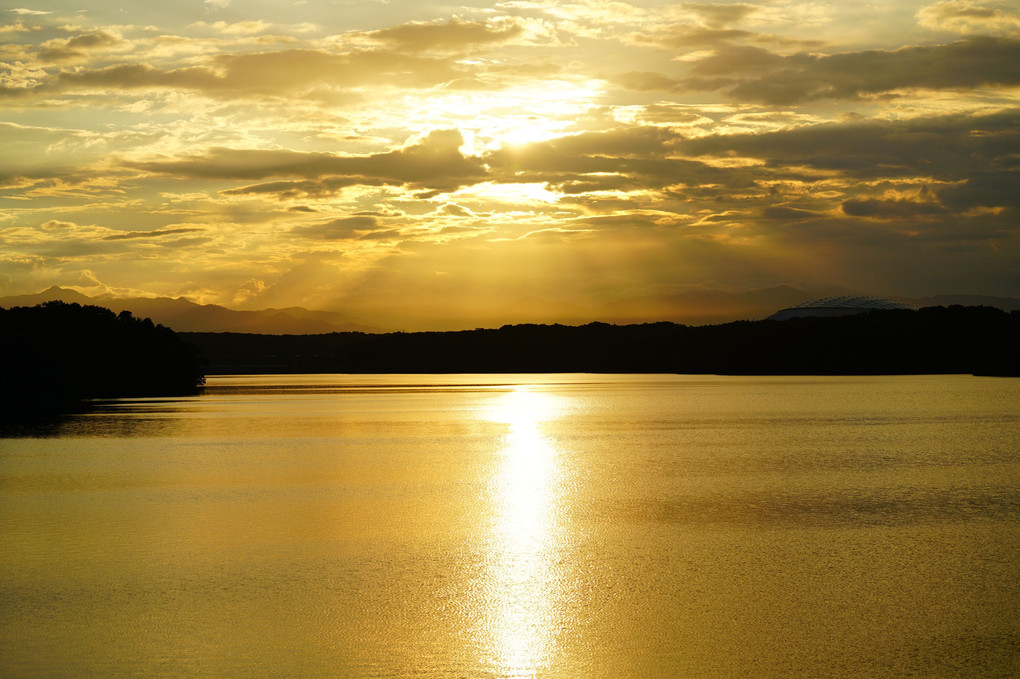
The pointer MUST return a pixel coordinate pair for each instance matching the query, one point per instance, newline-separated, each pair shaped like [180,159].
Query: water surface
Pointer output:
[519,526]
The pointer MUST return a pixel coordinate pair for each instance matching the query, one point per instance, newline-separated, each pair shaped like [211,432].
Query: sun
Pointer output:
[528,130]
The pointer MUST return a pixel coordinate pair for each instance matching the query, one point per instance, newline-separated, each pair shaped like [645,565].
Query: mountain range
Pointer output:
[183,315]
[701,307]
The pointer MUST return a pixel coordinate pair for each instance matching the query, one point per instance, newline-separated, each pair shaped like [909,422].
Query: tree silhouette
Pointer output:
[956,339]
[56,354]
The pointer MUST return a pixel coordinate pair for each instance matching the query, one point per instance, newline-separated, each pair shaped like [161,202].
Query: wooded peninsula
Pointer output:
[56,355]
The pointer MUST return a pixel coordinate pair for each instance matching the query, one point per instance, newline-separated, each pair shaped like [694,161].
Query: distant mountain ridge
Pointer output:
[182,315]
[699,307]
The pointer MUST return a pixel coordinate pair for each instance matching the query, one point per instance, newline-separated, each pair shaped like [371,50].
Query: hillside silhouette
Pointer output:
[947,340]
[55,355]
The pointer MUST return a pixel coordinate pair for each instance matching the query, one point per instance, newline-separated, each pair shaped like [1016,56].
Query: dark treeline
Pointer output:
[55,355]
[979,340]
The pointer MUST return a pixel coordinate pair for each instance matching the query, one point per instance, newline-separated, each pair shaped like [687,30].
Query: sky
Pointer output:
[424,165]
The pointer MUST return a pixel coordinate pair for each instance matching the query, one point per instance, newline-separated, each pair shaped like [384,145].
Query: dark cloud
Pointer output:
[625,158]
[985,189]
[739,60]
[385,234]
[684,37]
[452,35]
[435,162]
[184,243]
[951,147]
[583,184]
[718,14]
[137,235]
[133,76]
[309,188]
[274,73]
[647,81]
[78,46]
[346,228]
[788,214]
[891,209]
[965,64]
[754,74]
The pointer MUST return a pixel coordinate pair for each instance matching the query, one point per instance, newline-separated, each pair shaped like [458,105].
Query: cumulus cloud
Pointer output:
[78,46]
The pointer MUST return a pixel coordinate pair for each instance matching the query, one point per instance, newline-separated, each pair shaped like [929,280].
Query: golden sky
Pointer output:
[418,164]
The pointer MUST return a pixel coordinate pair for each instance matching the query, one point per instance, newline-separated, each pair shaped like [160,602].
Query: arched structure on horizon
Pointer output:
[837,306]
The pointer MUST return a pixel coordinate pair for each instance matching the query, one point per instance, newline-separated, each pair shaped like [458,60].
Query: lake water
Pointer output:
[519,526]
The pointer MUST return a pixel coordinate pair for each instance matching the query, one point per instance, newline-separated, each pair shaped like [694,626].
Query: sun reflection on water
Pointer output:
[521,587]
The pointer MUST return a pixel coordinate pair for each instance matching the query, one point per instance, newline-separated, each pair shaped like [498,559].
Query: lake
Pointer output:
[519,526]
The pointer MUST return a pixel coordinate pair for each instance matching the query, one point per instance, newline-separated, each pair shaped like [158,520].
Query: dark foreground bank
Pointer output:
[947,340]
[55,355]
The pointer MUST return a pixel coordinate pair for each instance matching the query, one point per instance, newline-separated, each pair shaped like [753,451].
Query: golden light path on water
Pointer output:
[521,585]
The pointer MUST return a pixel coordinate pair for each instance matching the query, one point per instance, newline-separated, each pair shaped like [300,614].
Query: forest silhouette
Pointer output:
[936,340]
[55,355]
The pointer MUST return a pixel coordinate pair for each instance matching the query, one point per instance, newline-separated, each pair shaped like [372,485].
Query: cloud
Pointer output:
[891,209]
[435,160]
[134,76]
[313,188]
[452,35]
[57,225]
[950,147]
[985,190]
[155,233]
[28,12]
[754,74]
[788,214]
[454,210]
[965,16]
[620,159]
[346,228]
[965,64]
[740,162]
[718,15]
[251,27]
[78,47]
[280,73]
